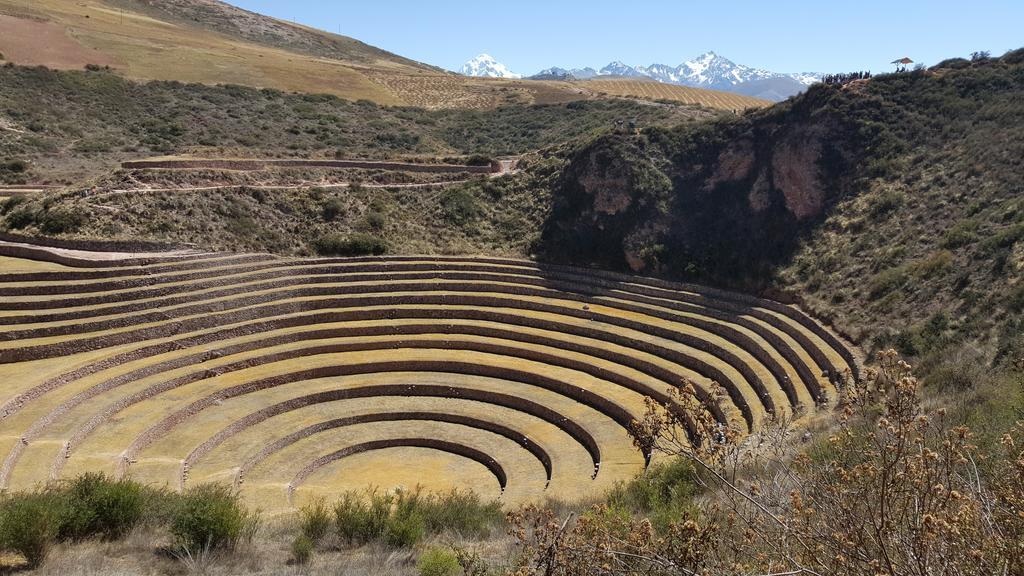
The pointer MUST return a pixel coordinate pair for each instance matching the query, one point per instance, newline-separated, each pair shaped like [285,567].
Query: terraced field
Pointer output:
[651,90]
[296,378]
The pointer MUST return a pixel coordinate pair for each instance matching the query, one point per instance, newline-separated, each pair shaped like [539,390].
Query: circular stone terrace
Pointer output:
[300,378]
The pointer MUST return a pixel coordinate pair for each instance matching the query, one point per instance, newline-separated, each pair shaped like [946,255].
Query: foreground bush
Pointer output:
[315,520]
[461,512]
[211,517]
[362,520]
[438,562]
[664,493]
[91,506]
[895,490]
[302,549]
[29,524]
[403,518]
[94,505]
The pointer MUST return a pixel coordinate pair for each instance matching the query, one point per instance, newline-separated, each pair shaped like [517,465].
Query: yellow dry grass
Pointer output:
[63,34]
[10,265]
[651,90]
[144,48]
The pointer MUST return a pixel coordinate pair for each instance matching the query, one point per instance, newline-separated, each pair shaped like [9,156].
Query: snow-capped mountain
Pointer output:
[619,69]
[713,71]
[557,73]
[709,70]
[486,66]
[806,78]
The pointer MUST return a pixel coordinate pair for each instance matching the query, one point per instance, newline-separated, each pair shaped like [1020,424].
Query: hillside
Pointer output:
[75,128]
[892,206]
[653,90]
[223,18]
[72,126]
[895,198]
[211,42]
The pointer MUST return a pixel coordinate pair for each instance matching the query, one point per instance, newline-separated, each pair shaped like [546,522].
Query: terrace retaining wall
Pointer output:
[257,165]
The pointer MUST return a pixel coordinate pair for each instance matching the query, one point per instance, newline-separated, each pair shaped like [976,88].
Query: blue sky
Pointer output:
[780,35]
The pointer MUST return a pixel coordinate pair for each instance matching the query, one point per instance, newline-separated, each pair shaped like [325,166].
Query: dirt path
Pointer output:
[258,165]
[8,191]
[507,167]
[279,187]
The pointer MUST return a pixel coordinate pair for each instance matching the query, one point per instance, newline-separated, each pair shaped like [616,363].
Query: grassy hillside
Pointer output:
[893,206]
[143,47]
[73,125]
[210,42]
[223,18]
[896,198]
[76,127]
[652,90]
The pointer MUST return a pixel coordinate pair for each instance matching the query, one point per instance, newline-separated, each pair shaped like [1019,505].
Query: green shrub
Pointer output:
[962,234]
[362,520]
[478,160]
[953,377]
[351,245]
[375,220]
[95,145]
[29,525]
[438,562]
[954,64]
[935,263]
[95,505]
[60,221]
[90,506]
[404,529]
[315,520]
[884,203]
[12,203]
[209,517]
[462,512]
[459,206]
[1014,57]
[302,549]
[332,209]
[886,281]
[403,518]
[14,166]
[160,506]
[22,217]
[924,338]
[664,492]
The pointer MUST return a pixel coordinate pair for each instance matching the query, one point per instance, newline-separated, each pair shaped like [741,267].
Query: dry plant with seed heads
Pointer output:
[895,490]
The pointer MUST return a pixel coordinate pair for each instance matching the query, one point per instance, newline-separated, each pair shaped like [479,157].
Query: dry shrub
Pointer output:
[896,490]
[606,540]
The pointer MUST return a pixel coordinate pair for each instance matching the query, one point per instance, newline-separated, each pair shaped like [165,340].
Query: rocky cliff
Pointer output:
[721,200]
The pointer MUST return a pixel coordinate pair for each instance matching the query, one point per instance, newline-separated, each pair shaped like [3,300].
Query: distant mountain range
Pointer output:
[485,66]
[709,70]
